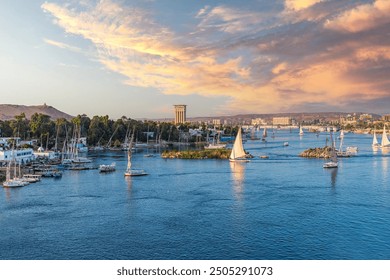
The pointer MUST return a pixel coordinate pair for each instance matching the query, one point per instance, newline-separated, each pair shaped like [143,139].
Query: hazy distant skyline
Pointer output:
[139,58]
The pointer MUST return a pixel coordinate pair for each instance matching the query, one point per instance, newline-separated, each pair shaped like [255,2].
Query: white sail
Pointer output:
[385,141]
[238,149]
[341,134]
[300,130]
[265,132]
[129,152]
[375,141]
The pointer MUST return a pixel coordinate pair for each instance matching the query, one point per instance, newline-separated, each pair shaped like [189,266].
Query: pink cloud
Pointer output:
[362,17]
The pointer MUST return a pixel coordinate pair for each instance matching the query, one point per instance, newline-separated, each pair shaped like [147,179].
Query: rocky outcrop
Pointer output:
[324,152]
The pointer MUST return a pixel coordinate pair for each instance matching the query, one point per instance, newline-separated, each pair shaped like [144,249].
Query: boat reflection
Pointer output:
[238,176]
[385,150]
[333,177]
[385,168]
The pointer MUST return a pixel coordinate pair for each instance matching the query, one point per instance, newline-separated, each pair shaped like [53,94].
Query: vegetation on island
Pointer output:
[324,152]
[198,154]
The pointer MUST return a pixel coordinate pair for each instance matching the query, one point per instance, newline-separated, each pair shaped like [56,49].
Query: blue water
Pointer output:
[284,207]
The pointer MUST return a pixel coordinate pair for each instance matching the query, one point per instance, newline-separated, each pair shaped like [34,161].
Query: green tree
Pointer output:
[20,126]
[40,124]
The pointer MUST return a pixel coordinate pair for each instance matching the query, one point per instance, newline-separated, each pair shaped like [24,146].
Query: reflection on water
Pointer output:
[386,150]
[274,209]
[129,184]
[333,177]
[238,176]
[385,168]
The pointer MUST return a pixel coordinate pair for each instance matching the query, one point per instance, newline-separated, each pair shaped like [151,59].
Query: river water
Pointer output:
[283,207]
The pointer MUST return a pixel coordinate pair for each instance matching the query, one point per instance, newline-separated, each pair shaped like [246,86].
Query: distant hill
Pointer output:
[8,111]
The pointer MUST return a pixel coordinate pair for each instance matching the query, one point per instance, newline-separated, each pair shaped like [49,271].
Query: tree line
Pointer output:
[99,130]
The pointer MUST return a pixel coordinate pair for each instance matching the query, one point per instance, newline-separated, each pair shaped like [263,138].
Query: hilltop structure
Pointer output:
[9,111]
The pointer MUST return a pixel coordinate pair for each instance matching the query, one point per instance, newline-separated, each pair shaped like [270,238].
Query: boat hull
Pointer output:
[330,165]
[132,173]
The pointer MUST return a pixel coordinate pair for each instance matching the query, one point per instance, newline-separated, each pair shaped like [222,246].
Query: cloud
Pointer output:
[62,45]
[362,17]
[259,61]
[297,5]
[226,19]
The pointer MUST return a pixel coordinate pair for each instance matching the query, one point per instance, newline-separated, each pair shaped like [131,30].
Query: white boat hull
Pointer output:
[330,164]
[135,172]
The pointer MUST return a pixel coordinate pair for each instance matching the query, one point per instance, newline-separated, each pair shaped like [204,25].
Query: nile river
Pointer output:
[283,207]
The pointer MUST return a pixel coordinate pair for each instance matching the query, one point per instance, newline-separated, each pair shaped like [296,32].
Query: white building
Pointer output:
[282,121]
[5,141]
[21,155]
[216,122]
[258,121]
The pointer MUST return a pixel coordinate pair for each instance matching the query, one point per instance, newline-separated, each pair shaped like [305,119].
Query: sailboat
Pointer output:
[385,143]
[333,163]
[238,153]
[130,171]
[264,134]
[341,136]
[300,131]
[340,152]
[375,142]
[15,181]
[147,145]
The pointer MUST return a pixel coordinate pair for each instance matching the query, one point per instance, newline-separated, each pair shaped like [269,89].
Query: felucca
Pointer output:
[300,131]
[129,171]
[375,142]
[385,143]
[333,163]
[238,153]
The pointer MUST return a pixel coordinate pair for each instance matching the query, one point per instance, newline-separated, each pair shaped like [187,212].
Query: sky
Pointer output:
[138,58]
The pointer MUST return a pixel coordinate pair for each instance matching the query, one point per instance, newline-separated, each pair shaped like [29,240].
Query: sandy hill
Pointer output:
[8,111]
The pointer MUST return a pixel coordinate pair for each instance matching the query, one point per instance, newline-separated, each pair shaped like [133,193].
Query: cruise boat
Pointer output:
[31,178]
[47,171]
[107,167]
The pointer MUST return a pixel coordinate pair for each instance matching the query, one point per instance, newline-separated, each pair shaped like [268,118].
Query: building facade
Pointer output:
[386,118]
[20,155]
[216,122]
[180,113]
[258,121]
[282,121]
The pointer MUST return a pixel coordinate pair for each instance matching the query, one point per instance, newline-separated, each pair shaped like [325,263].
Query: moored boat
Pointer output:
[131,171]
[107,167]
[333,163]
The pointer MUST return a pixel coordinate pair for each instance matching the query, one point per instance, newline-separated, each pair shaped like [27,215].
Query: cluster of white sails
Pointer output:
[385,143]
